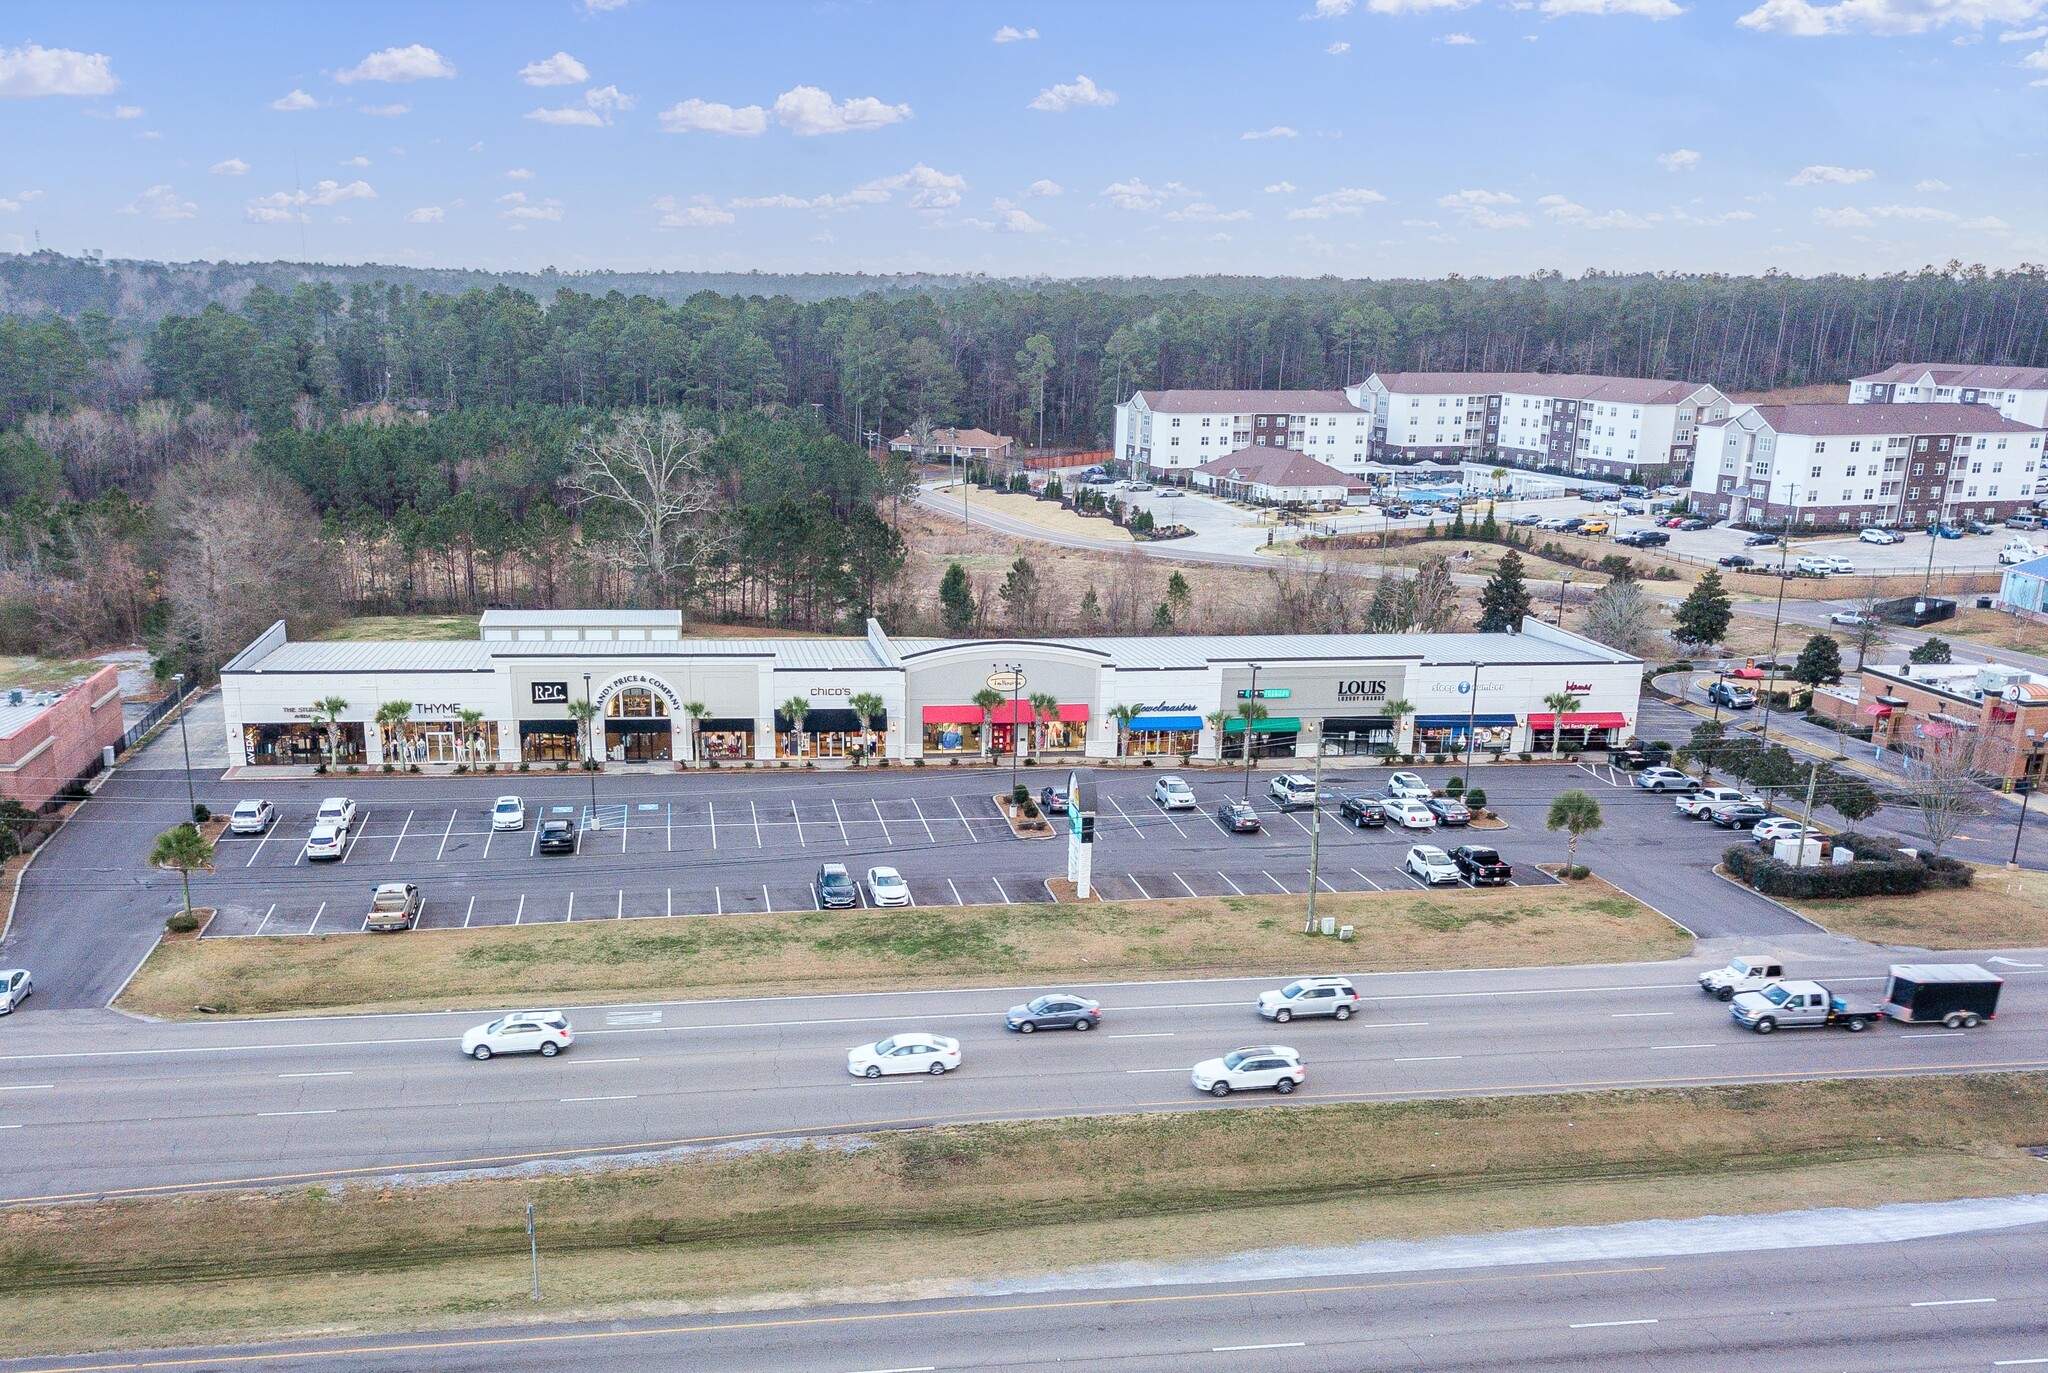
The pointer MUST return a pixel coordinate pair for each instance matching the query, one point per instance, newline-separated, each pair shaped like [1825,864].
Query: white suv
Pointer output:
[1664,779]
[1293,792]
[1173,794]
[1408,784]
[1700,804]
[1272,1065]
[1331,996]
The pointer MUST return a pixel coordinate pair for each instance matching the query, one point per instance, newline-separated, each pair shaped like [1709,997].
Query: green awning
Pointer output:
[1272,724]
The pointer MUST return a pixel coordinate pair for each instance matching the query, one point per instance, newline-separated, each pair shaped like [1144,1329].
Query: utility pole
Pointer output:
[1315,835]
[1806,818]
[1471,729]
[2013,863]
[1784,551]
[185,740]
[1250,718]
[1564,580]
[533,1247]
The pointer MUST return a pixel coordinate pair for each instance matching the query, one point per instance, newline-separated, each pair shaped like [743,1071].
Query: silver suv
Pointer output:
[1331,996]
[1293,792]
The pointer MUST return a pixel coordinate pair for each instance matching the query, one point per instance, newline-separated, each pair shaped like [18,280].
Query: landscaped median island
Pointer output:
[934,1209]
[2002,909]
[740,955]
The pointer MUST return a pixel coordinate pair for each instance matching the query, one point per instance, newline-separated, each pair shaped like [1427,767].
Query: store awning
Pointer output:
[1009,712]
[952,715]
[1748,674]
[1272,724]
[1155,724]
[1460,721]
[1877,708]
[1595,719]
[829,722]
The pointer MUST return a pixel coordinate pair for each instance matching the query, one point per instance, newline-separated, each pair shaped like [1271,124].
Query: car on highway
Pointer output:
[1736,560]
[886,887]
[546,1033]
[508,813]
[1878,536]
[1760,541]
[1731,696]
[1055,1011]
[252,816]
[1173,793]
[1430,866]
[1409,813]
[1749,973]
[326,843]
[1701,803]
[1738,815]
[1661,779]
[337,810]
[15,986]
[1238,817]
[1802,1006]
[556,836]
[1449,810]
[1408,784]
[394,906]
[1768,832]
[1052,800]
[1854,619]
[1482,866]
[1293,791]
[1334,997]
[836,890]
[904,1053]
[1364,812]
[1273,1066]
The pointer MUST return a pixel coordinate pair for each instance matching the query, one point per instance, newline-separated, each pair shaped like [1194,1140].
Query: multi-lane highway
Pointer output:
[97,1105]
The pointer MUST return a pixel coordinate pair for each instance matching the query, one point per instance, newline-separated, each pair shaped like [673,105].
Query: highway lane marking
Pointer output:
[327,1112]
[857,1318]
[29,1087]
[604,1060]
[1637,1015]
[1959,1301]
[1156,1034]
[1604,1325]
[921,1368]
[2014,1363]
[570,1100]
[1683,1046]
[332,1072]
[1139,1072]
[1430,1058]
[1244,1348]
[1935,1034]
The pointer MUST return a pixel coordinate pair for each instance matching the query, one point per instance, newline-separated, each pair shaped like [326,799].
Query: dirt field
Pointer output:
[2001,910]
[1485,558]
[1994,629]
[740,955]
[1030,509]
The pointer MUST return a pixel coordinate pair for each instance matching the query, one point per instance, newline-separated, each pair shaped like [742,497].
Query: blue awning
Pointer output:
[1460,721]
[1159,723]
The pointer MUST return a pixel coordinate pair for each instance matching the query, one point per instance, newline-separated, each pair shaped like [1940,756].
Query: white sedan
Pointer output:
[1854,619]
[508,814]
[1409,813]
[1408,784]
[15,985]
[1878,536]
[1173,794]
[909,1053]
[886,887]
[1430,866]
[545,1033]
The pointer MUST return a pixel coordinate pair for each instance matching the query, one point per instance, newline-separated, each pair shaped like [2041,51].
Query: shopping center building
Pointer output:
[654,696]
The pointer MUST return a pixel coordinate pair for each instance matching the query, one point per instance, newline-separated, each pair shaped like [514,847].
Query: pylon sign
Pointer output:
[1081,831]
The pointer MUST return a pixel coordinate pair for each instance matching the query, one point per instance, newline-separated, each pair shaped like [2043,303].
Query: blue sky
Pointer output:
[1356,137]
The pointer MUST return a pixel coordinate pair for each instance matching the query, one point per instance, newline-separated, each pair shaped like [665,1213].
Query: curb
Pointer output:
[1744,886]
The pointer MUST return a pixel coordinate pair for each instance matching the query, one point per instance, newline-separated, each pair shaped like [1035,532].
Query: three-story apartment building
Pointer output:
[1170,433]
[2018,393]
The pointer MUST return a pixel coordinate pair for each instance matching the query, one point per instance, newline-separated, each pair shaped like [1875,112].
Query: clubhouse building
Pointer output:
[653,696]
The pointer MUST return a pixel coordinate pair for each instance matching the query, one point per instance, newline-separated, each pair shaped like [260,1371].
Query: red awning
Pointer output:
[1935,729]
[952,715]
[1748,674]
[1877,709]
[1598,719]
[1008,713]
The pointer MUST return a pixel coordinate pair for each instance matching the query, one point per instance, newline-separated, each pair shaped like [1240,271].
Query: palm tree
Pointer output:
[328,711]
[1575,813]
[868,706]
[1216,720]
[390,716]
[1123,715]
[584,713]
[1561,703]
[1397,710]
[184,848]
[1251,712]
[471,743]
[797,709]
[989,700]
[1045,709]
[696,710]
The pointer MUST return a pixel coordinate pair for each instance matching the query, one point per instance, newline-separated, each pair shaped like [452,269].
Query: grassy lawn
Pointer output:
[738,955]
[1031,510]
[919,1213]
[44,674]
[2000,910]
[1485,558]
[388,627]
[1990,627]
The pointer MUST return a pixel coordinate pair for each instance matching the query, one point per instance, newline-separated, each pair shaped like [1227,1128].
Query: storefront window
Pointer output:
[302,742]
[549,741]
[441,741]
[824,734]
[1358,735]
[1160,743]
[1264,745]
[725,737]
[952,737]
[633,740]
[636,703]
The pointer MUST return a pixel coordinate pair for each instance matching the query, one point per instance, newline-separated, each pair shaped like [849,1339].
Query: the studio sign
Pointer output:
[1362,689]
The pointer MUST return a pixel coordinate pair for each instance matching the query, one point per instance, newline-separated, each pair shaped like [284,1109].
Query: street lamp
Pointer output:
[591,725]
[1016,671]
[185,740]
[1315,831]
[2013,863]
[1250,714]
[1564,581]
[1472,727]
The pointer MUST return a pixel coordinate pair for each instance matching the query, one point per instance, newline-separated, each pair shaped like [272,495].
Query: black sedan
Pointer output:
[557,836]
[1448,810]
[1365,812]
[1737,560]
[1760,541]
[1238,817]
[1055,1011]
[1740,816]
[1482,866]
[1053,800]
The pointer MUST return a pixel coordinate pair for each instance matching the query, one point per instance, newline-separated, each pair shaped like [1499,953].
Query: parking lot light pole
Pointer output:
[1471,727]
[1016,671]
[185,740]
[2012,864]
[591,725]
[1315,833]
[1250,714]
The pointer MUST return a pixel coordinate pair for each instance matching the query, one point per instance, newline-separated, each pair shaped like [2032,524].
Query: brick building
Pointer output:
[50,740]
[1908,704]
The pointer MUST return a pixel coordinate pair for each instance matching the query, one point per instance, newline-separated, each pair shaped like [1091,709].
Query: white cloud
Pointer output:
[1420,224]
[283,207]
[1044,187]
[160,202]
[1923,214]
[357,161]
[806,110]
[1277,131]
[1642,9]
[415,62]
[559,70]
[1010,34]
[1456,40]
[2024,35]
[1414,6]
[1683,160]
[425,214]
[604,6]
[599,104]
[677,214]
[1930,185]
[297,100]
[930,189]
[1009,220]
[1346,200]
[516,174]
[1985,222]
[1280,188]
[708,116]
[2035,60]
[233,166]
[1458,200]
[1822,175]
[1135,194]
[30,72]
[1475,207]
[1820,18]
[1338,49]
[548,210]
[28,195]
[1201,212]
[1566,211]
[1842,219]
[118,112]
[1330,9]
[384,111]
[1058,99]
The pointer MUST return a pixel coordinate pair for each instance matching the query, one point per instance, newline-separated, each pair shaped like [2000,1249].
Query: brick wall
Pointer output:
[48,752]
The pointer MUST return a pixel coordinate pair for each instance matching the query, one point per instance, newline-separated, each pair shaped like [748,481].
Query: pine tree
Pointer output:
[956,600]
[1702,617]
[1820,661]
[1505,598]
[1457,530]
[1931,650]
[1489,528]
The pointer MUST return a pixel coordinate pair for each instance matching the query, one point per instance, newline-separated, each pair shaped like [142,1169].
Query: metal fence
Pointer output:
[142,727]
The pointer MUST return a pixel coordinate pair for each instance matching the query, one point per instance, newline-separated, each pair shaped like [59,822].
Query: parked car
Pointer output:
[836,889]
[1407,784]
[1701,803]
[337,810]
[1141,486]
[2017,551]
[1482,866]
[1979,527]
[1645,538]
[1594,527]
[1942,531]
[1449,811]
[1736,560]
[2023,521]
[556,836]
[394,906]
[1693,524]
[886,887]
[1878,536]
[1854,619]
[1430,865]
[1629,508]
[15,986]
[1730,696]
[1397,512]
[1801,1006]
[906,1053]
[1526,520]
[1738,815]
[1052,800]
[1365,812]
[1331,996]
[1409,813]
[1662,779]
[1173,793]
[1241,1070]
[1639,757]
[1814,564]
[1958,995]
[252,817]
[1768,832]
[508,814]
[326,843]
[1749,973]
[1055,1011]
[1293,791]
[1670,521]
[546,1033]
[1238,817]
[1760,541]
[1574,525]
[1634,490]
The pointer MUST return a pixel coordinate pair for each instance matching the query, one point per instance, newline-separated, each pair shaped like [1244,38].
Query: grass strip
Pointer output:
[2001,909]
[762,1226]
[1588,922]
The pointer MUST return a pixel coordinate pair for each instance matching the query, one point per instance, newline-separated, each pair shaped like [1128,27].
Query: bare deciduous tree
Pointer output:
[1943,781]
[246,550]
[1620,616]
[1435,596]
[647,469]
[1312,599]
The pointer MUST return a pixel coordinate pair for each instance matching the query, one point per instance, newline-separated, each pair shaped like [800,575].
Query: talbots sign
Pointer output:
[1006,681]
[1362,689]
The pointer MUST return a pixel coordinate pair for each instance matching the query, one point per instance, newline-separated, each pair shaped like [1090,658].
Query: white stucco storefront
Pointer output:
[514,695]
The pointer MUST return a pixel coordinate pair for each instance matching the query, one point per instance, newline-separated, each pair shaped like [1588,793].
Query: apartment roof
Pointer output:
[1249,402]
[1916,418]
[1563,385]
[1274,467]
[972,438]
[1952,374]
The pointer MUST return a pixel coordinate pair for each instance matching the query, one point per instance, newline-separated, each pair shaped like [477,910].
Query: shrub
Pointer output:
[391,767]
[413,768]
[320,769]
[200,814]
[1456,786]
[184,922]
[461,768]
[1020,795]
[525,767]
[561,765]
[1476,798]
[1879,870]
[917,762]
[353,769]
[1575,872]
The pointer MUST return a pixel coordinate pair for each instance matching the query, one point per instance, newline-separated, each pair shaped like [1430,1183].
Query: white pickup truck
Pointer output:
[1749,973]
[1802,1006]
[1700,804]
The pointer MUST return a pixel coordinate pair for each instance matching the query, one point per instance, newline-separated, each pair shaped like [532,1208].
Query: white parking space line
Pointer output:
[842,823]
[718,900]
[1367,880]
[999,891]
[963,821]
[1139,885]
[401,835]
[930,838]
[956,893]
[1296,819]
[799,825]
[767,900]
[1233,886]
[671,900]
[322,911]
[444,836]
[1184,884]
[1326,884]
[354,839]
[880,821]
[490,833]
[1275,881]
[668,824]
[755,811]
[1126,815]
[572,907]
[622,905]
[466,915]
[520,914]
[533,844]
[266,917]
[30,1087]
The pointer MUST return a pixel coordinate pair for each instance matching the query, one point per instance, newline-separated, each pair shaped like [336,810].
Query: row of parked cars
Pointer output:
[1726,807]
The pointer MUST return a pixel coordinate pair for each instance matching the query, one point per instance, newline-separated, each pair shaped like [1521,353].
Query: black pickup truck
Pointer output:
[1482,866]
